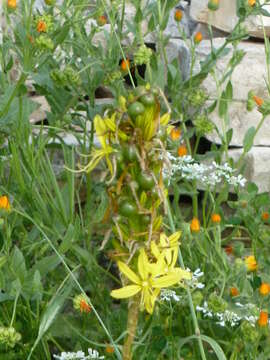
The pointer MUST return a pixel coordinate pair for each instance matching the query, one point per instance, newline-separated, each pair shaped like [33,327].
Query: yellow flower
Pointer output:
[264,289]
[4,203]
[251,2]
[167,253]
[251,263]
[12,4]
[149,281]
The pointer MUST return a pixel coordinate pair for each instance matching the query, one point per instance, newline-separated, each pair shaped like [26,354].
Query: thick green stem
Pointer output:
[190,302]
[133,316]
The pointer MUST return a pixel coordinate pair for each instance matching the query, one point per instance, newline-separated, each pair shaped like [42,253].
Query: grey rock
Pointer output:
[225,18]
[177,48]
[257,168]
[248,75]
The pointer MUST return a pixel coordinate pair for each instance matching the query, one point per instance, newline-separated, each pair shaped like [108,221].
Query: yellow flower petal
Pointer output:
[143,265]
[167,280]
[128,273]
[173,239]
[165,119]
[126,291]
[154,249]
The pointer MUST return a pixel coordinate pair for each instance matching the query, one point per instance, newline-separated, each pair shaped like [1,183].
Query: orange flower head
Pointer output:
[251,2]
[258,100]
[198,37]
[263,319]
[264,289]
[195,225]
[251,263]
[229,250]
[12,4]
[175,134]
[4,203]
[125,65]
[178,15]
[234,291]
[182,151]
[109,349]
[41,26]
[216,218]
[84,307]
[265,216]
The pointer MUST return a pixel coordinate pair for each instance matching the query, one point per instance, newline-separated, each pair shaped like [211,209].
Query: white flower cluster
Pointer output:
[168,295]
[210,175]
[79,355]
[194,282]
[228,316]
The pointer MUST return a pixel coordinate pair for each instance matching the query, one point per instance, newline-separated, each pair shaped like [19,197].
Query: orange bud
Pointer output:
[195,225]
[234,291]
[216,218]
[264,289]
[4,203]
[109,349]
[84,307]
[178,15]
[182,151]
[175,134]
[12,4]
[258,100]
[125,64]
[263,319]
[265,216]
[198,37]
[41,26]
[251,2]
[229,249]
[102,20]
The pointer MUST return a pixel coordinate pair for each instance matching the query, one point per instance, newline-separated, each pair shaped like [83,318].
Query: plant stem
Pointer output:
[133,315]
[190,302]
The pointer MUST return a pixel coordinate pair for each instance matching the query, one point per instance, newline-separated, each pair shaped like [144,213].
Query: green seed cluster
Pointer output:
[9,336]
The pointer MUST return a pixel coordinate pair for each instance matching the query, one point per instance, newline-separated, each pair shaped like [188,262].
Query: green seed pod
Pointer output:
[127,209]
[147,99]
[146,181]
[135,109]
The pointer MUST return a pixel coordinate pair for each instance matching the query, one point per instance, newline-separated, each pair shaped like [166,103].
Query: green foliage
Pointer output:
[60,237]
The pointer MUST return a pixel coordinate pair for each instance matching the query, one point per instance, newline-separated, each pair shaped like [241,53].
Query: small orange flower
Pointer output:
[109,349]
[234,291]
[229,249]
[264,289]
[216,218]
[4,203]
[263,319]
[251,2]
[102,20]
[198,37]
[12,4]
[195,225]
[175,134]
[258,100]
[31,39]
[265,216]
[41,26]
[84,307]
[251,263]
[182,151]
[178,15]
[125,64]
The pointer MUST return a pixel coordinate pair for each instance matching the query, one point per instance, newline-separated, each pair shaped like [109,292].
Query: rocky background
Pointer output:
[249,75]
